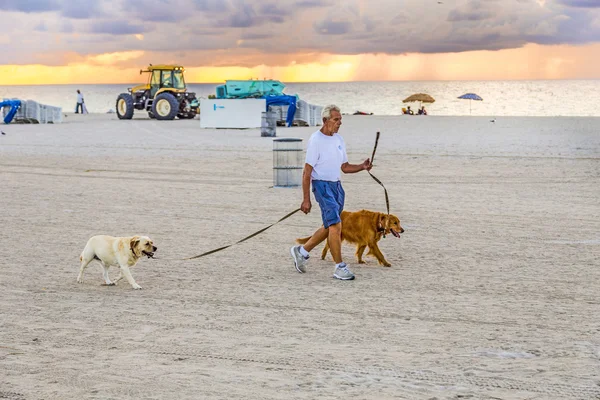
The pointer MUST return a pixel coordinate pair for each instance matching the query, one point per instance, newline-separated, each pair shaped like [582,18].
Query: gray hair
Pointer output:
[326,113]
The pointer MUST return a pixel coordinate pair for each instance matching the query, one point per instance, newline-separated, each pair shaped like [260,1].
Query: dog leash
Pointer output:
[244,239]
[387,200]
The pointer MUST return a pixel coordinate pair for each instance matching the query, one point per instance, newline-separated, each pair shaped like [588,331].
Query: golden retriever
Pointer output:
[365,228]
[123,252]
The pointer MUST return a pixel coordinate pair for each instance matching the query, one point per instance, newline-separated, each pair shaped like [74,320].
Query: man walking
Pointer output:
[325,158]
[79,102]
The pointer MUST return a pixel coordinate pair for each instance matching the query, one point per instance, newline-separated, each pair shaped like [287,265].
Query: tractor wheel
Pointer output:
[165,106]
[124,106]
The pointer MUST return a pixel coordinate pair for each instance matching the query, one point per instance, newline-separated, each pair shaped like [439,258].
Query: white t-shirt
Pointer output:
[326,154]
[79,98]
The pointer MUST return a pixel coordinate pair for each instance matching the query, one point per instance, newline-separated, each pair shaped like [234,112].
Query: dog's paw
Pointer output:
[361,262]
[79,280]
[136,287]
[109,284]
[387,264]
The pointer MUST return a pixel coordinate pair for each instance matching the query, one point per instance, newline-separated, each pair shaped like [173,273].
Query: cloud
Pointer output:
[41,27]
[29,6]
[333,27]
[400,18]
[116,27]
[264,31]
[472,11]
[81,9]
[257,36]
[66,27]
[212,6]
[312,3]
[581,3]
[156,10]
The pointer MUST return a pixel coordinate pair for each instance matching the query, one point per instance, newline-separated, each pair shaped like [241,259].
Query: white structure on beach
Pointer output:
[32,112]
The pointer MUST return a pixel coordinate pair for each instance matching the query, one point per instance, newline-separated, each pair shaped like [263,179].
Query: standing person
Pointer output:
[325,158]
[79,102]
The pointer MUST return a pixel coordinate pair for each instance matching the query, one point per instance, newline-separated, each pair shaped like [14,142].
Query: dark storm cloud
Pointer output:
[333,27]
[81,9]
[273,8]
[471,15]
[581,3]
[116,27]
[29,6]
[155,11]
[212,6]
[243,17]
[257,36]
[243,14]
[472,11]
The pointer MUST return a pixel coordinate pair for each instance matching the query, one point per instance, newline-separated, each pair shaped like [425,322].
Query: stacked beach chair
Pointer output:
[306,114]
[32,112]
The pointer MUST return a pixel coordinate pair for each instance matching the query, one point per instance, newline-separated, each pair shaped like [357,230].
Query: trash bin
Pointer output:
[268,124]
[288,161]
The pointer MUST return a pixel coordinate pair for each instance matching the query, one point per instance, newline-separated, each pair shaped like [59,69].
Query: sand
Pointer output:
[492,294]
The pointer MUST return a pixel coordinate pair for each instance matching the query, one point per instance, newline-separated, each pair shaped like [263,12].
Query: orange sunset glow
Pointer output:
[529,62]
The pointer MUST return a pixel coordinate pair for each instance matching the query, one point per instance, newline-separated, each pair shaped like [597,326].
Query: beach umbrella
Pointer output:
[470,96]
[420,97]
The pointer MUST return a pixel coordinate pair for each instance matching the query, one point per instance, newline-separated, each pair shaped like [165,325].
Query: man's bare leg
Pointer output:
[320,235]
[335,242]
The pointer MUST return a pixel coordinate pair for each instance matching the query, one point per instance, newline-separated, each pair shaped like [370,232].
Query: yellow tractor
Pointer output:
[164,97]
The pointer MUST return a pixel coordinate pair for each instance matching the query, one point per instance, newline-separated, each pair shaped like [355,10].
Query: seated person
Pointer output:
[420,111]
[423,111]
[409,111]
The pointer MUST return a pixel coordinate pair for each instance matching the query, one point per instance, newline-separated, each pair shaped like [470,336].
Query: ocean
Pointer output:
[500,98]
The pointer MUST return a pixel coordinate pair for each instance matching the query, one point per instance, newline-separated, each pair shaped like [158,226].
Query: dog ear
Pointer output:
[133,244]
[383,220]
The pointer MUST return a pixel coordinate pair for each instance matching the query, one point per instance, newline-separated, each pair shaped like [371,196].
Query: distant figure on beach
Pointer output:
[409,111]
[422,111]
[326,158]
[79,105]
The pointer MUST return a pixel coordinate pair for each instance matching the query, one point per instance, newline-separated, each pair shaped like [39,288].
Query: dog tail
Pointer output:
[303,240]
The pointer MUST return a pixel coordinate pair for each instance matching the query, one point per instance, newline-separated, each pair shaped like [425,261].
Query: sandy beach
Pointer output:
[493,291]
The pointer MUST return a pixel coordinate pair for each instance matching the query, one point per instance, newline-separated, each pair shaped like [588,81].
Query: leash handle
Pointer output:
[375,148]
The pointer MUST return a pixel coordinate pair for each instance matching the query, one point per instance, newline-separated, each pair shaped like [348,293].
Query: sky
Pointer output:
[103,41]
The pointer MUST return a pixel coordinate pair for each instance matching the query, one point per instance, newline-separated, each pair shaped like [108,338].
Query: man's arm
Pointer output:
[348,168]
[306,205]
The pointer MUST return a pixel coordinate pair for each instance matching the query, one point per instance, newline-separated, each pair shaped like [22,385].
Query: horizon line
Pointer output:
[286,82]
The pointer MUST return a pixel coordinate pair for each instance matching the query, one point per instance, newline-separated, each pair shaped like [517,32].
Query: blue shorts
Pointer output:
[330,196]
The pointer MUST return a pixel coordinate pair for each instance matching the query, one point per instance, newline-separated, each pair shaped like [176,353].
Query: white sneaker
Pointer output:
[343,273]
[299,260]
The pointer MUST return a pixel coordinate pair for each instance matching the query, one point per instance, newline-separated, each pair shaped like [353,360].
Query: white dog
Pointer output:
[123,252]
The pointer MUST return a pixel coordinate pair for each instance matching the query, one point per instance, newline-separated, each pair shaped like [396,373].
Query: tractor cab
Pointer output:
[165,79]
